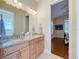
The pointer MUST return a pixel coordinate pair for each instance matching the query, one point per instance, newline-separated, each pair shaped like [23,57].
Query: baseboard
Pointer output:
[58,38]
[46,51]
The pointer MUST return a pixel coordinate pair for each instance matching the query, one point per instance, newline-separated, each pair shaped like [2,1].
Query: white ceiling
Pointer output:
[59,9]
[30,3]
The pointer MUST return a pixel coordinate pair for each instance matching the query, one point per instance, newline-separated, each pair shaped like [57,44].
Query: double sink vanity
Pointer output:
[18,38]
[22,48]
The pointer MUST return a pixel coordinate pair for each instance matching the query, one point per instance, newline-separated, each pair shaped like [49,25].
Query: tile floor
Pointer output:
[47,56]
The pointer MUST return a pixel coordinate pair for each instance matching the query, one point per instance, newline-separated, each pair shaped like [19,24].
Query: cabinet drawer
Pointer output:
[7,51]
[12,56]
[10,50]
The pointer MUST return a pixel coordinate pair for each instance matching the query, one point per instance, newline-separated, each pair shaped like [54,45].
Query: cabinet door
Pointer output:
[24,53]
[12,56]
[36,47]
[32,52]
[40,46]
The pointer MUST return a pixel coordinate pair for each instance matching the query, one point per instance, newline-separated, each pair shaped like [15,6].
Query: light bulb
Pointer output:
[15,1]
[20,4]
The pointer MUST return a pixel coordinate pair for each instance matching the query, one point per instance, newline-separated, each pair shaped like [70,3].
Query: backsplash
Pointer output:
[20,36]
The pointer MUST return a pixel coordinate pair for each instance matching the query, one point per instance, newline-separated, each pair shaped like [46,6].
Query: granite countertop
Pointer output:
[12,42]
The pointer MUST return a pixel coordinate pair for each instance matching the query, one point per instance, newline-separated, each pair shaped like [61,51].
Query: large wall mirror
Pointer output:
[12,23]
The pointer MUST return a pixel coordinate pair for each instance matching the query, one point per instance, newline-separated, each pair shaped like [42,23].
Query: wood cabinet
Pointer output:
[29,50]
[36,47]
[12,56]
[24,53]
[40,46]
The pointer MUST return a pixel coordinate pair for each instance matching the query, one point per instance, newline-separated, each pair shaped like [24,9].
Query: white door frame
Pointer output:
[72,31]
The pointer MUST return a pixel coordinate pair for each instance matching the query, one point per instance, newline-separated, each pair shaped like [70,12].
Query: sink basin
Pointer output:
[3,41]
[12,42]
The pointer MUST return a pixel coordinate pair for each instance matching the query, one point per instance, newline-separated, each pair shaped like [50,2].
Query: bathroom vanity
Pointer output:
[22,49]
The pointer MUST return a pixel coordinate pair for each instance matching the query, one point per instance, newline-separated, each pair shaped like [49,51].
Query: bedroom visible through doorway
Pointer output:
[60,29]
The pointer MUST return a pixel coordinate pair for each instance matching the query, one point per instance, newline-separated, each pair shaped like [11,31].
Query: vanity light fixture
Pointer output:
[8,1]
[33,11]
[15,1]
[19,3]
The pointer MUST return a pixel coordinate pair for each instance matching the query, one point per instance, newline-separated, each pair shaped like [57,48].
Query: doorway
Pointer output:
[60,29]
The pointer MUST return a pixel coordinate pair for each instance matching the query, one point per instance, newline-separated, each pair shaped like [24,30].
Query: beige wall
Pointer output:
[19,17]
[77,29]
[59,21]
[42,17]
[58,33]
